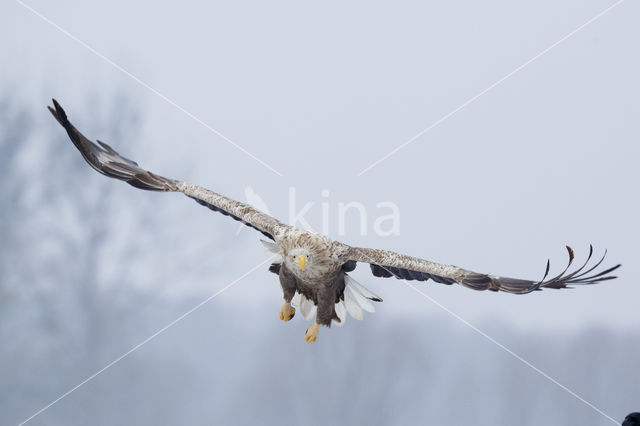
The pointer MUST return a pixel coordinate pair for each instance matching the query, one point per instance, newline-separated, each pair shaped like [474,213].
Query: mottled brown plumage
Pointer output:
[313,269]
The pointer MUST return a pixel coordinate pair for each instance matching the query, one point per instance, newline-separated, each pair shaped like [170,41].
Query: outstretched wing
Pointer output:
[107,161]
[389,264]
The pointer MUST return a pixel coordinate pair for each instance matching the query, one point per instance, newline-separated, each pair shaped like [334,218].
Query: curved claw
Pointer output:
[286,312]
[311,334]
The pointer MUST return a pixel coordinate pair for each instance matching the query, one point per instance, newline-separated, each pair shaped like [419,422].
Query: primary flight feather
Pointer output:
[313,269]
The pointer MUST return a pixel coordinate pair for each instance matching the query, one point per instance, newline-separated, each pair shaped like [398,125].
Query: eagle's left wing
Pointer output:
[107,161]
[390,264]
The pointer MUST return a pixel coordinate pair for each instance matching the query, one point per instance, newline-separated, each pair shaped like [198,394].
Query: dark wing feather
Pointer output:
[107,161]
[389,264]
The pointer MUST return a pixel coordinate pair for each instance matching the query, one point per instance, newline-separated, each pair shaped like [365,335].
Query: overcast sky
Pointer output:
[320,91]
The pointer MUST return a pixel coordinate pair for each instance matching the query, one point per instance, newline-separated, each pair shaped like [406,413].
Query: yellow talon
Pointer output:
[312,333]
[286,312]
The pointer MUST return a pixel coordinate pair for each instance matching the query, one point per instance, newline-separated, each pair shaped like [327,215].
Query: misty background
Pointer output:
[91,267]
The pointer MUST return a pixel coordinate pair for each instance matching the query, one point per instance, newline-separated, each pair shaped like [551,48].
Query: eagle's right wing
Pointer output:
[107,161]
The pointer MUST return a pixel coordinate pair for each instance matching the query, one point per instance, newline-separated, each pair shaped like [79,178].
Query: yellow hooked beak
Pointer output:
[301,261]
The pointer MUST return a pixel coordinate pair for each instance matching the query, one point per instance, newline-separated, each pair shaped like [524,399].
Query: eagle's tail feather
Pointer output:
[360,289]
[351,303]
[341,313]
[356,299]
[308,308]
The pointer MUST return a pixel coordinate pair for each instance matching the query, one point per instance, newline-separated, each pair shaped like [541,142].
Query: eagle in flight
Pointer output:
[313,269]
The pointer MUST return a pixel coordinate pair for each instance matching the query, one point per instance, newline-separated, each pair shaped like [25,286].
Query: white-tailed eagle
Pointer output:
[313,268]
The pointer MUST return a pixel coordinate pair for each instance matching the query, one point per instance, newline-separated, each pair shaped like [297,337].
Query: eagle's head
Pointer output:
[307,255]
[300,258]
[307,261]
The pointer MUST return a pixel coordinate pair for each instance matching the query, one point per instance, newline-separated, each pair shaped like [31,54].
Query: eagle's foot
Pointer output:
[312,333]
[286,312]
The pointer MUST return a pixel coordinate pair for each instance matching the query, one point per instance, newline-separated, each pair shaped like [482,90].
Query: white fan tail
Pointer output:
[356,299]
[351,303]
[341,313]
[360,289]
[363,302]
[307,308]
[296,299]
[304,305]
